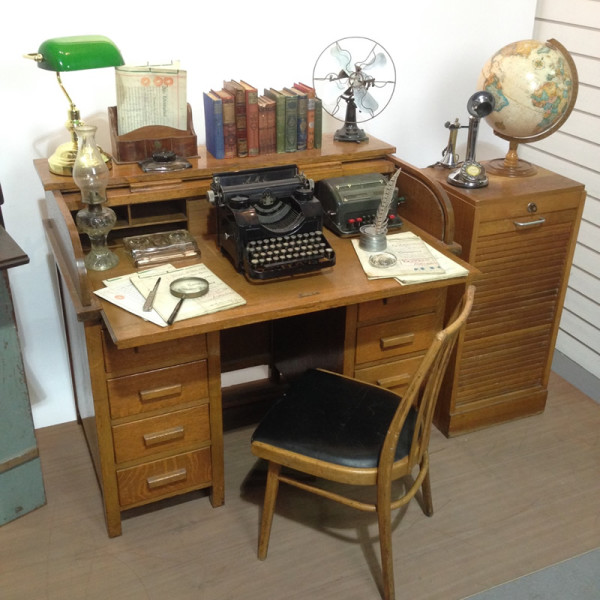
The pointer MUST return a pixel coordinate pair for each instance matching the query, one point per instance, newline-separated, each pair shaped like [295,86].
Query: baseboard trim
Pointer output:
[576,375]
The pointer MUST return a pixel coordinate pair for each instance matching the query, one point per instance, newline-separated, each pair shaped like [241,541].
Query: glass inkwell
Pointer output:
[90,173]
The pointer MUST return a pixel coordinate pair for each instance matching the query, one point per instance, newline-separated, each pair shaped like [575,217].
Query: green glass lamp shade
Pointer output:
[78,53]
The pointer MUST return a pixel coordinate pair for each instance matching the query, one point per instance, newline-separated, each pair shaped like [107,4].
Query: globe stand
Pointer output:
[511,165]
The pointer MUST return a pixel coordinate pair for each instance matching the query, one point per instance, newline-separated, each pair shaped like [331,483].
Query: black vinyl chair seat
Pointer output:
[335,419]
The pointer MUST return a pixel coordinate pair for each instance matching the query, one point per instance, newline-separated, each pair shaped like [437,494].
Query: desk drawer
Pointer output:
[158,389]
[152,356]
[394,376]
[175,431]
[398,306]
[164,478]
[395,338]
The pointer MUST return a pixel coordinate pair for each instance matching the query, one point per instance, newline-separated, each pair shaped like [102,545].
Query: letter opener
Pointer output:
[150,299]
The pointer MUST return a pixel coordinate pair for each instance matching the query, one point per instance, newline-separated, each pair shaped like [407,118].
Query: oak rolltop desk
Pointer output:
[150,399]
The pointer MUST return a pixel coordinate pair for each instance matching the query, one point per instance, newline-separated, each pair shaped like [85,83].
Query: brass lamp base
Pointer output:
[63,159]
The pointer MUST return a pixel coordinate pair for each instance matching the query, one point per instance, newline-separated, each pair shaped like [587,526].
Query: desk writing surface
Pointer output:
[341,285]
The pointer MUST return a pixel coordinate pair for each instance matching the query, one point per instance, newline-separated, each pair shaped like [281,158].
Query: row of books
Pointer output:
[240,122]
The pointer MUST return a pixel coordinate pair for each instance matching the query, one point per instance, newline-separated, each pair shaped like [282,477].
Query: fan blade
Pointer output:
[365,101]
[374,61]
[343,57]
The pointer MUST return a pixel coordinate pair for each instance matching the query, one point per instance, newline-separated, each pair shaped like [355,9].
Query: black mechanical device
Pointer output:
[269,222]
[352,201]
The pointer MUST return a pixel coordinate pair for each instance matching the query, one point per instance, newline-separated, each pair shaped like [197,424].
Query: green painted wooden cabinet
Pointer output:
[21,482]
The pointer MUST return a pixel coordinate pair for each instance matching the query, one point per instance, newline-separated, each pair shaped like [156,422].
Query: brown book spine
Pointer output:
[240,116]
[251,95]
[229,126]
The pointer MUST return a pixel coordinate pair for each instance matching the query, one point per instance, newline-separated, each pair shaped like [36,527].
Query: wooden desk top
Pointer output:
[543,182]
[342,285]
[205,165]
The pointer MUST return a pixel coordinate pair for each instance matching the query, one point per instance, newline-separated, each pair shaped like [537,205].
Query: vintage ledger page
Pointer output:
[408,259]
[151,95]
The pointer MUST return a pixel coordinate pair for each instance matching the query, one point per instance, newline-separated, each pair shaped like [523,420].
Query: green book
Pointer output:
[279,116]
[291,121]
[302,119]
[318,122]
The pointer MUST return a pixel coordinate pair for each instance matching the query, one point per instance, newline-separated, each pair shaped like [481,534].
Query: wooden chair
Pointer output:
[338,428]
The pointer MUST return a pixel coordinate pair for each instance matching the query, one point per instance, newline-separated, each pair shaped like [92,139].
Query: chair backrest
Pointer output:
[423,390]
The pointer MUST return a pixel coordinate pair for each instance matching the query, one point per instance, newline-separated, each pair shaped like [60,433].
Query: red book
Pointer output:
[233,87]
[251,95]
[267,125]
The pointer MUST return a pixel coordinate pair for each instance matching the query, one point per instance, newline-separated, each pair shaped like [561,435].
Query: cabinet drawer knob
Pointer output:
[396,340]
[395,381]
[160,393]
[528,224]
[163,479]
[167,435]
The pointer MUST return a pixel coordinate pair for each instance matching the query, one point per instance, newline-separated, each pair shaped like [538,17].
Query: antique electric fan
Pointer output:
[354,77]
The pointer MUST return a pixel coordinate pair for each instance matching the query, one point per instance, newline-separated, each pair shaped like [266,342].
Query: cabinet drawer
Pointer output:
[158,389]
[175,431]
[395,338]
[394,376]
[152,356]
[524,223]
[398,306]
[529,205]
[164,478]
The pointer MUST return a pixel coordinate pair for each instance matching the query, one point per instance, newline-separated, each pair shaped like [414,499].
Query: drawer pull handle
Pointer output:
[160,393]
[157,481]
[527,224]
[161,437]
[395,381]
[396,340]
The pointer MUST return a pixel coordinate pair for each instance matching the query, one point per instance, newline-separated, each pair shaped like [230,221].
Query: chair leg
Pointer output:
[427,499]
[268,509]
[384,516]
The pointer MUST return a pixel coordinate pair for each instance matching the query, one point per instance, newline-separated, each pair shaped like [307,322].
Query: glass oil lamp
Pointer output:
[90,173]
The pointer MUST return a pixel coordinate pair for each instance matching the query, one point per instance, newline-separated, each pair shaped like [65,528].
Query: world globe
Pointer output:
[534,85]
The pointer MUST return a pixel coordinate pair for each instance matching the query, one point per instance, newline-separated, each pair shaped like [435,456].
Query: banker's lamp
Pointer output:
[75,53]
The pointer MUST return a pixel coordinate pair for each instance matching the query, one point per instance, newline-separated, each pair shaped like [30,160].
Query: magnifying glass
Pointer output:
[186,287]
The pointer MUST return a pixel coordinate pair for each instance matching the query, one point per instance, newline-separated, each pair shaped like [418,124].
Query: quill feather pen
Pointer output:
[381,218]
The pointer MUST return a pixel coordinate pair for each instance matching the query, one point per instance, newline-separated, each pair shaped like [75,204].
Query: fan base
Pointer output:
[350,132]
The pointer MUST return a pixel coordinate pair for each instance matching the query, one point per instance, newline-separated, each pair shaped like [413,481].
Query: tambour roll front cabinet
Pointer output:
[521,234]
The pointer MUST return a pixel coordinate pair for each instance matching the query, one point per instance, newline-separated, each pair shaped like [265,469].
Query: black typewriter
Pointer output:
[269,222]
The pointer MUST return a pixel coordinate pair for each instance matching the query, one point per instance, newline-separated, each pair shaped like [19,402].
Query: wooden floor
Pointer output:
[508,501]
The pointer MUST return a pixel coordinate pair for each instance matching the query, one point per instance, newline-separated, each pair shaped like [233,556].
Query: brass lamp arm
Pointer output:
[62,87]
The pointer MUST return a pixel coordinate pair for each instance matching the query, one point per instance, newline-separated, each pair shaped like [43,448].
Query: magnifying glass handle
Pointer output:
[175,311]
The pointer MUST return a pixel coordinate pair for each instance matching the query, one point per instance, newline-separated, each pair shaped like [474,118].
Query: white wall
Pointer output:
[438,48]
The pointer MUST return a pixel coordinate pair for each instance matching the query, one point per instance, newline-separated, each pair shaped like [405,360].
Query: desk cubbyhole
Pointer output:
[152,213]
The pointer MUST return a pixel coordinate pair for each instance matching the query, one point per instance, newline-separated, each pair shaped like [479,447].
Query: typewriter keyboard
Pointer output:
[287,255]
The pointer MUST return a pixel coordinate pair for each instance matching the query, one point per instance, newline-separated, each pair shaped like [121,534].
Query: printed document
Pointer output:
[151,95]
